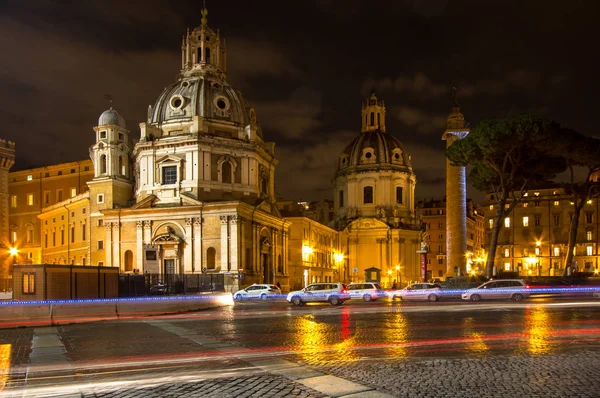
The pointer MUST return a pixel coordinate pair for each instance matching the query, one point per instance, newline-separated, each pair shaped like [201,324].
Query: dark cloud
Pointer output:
[305,67]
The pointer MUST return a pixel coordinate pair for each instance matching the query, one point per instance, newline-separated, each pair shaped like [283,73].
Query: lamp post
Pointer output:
[398,275]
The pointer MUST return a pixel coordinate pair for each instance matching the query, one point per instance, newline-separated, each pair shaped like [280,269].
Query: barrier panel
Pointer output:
[88,311]
[22,314]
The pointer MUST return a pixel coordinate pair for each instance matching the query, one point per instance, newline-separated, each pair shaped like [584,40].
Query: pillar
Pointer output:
[187,249]
[197,245]
[233,242]
[117,244]
[108,249]
[224,244]
[139,246]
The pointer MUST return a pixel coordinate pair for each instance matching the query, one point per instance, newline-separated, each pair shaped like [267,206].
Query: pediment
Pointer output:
[146,203]
[169,159]
[367,223]
[169,238]
[269,208]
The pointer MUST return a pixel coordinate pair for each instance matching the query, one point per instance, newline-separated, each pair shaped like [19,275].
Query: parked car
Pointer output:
[514,289]
[418,291]
[367,291]
[158,289]
[261,291]
[334,293]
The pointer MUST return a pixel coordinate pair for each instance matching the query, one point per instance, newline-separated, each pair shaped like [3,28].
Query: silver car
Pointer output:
[334,293]
[418,291]
[514,289]
[366,290]
[261,291]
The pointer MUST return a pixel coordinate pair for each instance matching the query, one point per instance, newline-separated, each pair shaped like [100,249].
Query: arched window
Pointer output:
[264,186]
[378,120]
[399,195]
[103,164]
[199,55]
[226,172]
[128,260]
[341,198]
[211,255]
[121,166]
[372,118]
[207,57]
[367,195]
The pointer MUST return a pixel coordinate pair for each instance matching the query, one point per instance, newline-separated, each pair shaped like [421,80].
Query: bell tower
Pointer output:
[373,114]
[456,195]
[111,154]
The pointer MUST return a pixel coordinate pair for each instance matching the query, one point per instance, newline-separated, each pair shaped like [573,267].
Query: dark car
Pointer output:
[158,289]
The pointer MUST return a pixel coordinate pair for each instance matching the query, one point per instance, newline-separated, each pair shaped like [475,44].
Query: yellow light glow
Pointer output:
[397,268]
[4,364]
[13,251]
[389,272]
[307,250]
[338,257]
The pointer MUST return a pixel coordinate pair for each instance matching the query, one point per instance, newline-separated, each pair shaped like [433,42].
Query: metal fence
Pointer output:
[133,285]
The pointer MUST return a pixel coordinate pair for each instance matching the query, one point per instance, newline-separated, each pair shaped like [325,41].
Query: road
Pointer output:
[538,347]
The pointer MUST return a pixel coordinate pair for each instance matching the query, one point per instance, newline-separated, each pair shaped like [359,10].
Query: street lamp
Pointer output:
[398,274]
[13,252]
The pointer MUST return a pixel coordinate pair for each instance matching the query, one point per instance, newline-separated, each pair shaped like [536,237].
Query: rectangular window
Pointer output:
[588,235]
[506,252]
[169,175]
[46,197]
[46,240]
[537,251]
[491,222]
[103,135]
[506,266]
[589,217]
[525,252]
[525,204]
[121,137]
[13,201]
[589,250]
[440,236]
[83,232]
[341,198]
[556,203]
[86,168]
[368,195]
[440,249]
[62,236]
[29,177]
[100,198]
[525,221]
[53,238]
[29,283]
[83,211]
[399,195]
[556,219]
[440,261]
[100,245]
[556,251]
[60,173]
[30,236]
[537,221]
[13,237]
[59,195]
[441,225]
[536,203]
[507,222]
[72,171]
[491,207]
[73,192]
[101,222]
[100,263]
[29,199]
[72,234]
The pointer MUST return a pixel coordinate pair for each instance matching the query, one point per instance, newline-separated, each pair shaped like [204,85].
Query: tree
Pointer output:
[578,151]
[508,157]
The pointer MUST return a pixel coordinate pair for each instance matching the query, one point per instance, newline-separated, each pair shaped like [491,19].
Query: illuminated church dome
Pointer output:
[111,116]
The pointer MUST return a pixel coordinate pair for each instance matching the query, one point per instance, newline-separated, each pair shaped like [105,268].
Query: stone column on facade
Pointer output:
[255,248]
[233,242]
[108,247]
[224,244]
[284,254]
[139,246]
[188,249]
[117,244]
[274,252]
[197,260]
[147,232]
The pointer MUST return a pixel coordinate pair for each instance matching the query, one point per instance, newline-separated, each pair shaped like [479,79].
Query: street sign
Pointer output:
[241,276]
[355,270]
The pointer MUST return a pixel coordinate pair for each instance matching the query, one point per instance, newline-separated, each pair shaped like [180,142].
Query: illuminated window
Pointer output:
[491,222]
[13,201]
[556,251]
[588,235]
[73,192]
[506,266]
[29,177]
[525,221]
[491,207]
[556,203]
[29,283]
[507,222]
[13,237]
[589,250]
[537,251]
[536,193]
[506,206]
[526,194]
[589,202]
[525,204]
[506,252]
[29,199]
[525,252]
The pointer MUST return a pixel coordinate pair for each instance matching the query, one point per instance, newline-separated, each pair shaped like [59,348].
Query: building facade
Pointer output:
[434,217]
[374,188]
[7,160]
[534,238]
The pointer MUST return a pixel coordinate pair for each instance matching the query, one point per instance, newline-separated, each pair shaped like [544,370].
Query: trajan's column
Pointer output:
[456,195]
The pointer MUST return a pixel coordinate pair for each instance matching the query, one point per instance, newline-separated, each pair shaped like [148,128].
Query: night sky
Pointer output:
[305,66]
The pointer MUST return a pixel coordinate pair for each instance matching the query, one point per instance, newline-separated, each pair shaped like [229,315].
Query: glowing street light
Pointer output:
[13,252]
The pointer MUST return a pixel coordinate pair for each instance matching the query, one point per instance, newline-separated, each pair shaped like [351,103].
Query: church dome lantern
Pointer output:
[111,116]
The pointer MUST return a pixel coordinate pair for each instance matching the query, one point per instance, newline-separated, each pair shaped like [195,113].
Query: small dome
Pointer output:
[374,149]
[111,116]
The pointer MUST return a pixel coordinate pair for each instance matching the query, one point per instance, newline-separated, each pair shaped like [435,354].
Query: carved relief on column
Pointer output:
[223,219]
[147,232]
